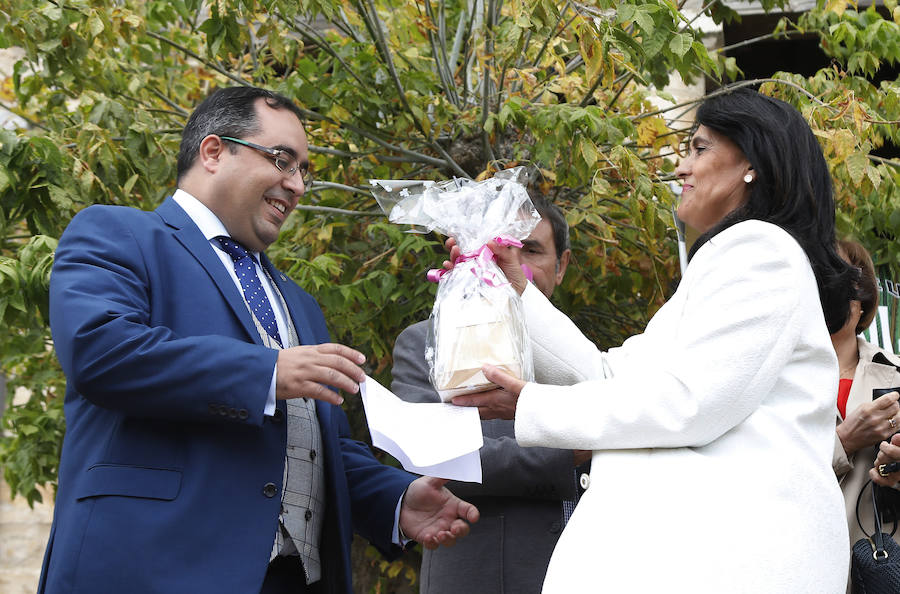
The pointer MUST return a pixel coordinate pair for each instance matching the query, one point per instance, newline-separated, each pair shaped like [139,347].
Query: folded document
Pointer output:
[432,439]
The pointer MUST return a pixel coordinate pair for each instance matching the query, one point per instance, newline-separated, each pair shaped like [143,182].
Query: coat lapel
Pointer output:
[295,310]
[185,231]
[302,325]
[876,371]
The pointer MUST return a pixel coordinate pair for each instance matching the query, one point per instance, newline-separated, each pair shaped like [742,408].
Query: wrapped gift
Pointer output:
[477,316]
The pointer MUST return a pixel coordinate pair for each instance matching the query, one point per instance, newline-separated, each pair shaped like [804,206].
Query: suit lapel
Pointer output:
[303,326]
[185,231]
[295,309]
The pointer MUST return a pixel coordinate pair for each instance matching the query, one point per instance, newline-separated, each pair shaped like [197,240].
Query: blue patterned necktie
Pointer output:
[256,297]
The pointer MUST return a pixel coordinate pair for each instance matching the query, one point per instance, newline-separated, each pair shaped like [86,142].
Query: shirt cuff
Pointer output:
[270,401]
[397,536]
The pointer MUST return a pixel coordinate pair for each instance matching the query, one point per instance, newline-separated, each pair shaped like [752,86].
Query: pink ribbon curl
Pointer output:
[481,257]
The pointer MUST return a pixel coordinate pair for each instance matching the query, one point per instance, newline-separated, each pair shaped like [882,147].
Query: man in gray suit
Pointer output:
[525,490]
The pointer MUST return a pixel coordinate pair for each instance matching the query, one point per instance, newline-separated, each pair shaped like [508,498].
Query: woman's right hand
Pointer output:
[870,423]
[454,251]
[507,258]
[888,452]
[510,262]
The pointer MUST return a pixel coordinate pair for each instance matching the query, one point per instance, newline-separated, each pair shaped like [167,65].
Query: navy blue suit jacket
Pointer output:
[167,454]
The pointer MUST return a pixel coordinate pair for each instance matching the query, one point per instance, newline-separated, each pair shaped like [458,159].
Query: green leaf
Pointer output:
[28,430]
[126,189]
[680,44]
[642,17]
[625,13]
[95,25]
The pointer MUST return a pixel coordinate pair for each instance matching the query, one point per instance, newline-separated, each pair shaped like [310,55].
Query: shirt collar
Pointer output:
[208,223]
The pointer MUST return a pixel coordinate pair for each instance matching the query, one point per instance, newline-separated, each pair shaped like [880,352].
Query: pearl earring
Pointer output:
[748,178]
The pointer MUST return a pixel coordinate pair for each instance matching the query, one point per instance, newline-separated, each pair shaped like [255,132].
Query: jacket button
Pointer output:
[308,515]
[584,480]
[277,416]
[232,412]
[243,414]
[555,527]
[312,454]
[270,489]
[223,410]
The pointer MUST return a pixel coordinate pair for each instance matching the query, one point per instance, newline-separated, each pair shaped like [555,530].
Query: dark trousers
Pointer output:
[285,576]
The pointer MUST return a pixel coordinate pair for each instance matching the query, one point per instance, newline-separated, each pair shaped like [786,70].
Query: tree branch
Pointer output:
[373,22]
[728,89]
[313,36]
[201,59]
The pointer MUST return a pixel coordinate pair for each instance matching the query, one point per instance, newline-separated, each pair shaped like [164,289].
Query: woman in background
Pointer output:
[863,423]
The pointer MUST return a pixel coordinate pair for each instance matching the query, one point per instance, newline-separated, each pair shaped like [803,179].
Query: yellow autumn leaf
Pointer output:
[837,6]
[324,234]
[649,129]
[856,166]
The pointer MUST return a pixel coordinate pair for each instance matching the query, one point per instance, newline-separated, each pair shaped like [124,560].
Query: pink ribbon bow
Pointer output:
[481,257]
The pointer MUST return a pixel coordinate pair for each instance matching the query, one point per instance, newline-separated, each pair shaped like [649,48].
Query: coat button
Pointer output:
[232,412]
[277,416]
[312,454]
[270,489]
[584,480]
[555,527]
[308,515]
[243,414]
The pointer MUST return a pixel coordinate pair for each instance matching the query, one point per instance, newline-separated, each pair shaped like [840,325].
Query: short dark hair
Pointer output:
[867,286]
[791,186]
[227,112]
[552,213]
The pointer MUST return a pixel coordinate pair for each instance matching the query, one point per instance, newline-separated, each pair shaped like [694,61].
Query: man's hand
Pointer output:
[432,515]
[499,403]
[869,423]
[305,371]
[888,452]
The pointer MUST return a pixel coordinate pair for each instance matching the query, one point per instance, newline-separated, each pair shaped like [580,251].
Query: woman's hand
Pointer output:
[455,252]
[510,262]
[870,423]
[499,403]
[507,258]
[888,452]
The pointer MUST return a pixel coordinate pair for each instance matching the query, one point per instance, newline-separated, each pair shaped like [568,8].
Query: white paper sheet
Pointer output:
[431,439]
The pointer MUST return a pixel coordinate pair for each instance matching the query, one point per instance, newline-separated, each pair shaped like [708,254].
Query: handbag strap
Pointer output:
[879,554]
[877,539]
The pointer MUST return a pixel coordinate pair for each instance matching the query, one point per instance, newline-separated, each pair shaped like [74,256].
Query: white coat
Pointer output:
[712,438]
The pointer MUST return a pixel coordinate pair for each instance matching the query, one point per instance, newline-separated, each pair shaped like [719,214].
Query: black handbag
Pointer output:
[875,560]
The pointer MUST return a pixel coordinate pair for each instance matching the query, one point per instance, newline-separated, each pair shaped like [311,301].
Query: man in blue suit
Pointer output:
[204,452]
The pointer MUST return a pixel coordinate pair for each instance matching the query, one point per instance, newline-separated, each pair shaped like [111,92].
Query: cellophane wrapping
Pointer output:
[477,316]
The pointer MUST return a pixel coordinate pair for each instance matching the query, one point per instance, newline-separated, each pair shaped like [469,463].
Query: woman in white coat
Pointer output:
[712,431]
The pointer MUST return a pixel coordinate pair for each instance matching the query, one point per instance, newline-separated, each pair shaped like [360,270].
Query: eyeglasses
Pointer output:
[283,160]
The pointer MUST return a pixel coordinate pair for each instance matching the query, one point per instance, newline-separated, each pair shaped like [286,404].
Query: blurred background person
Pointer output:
[528,493]
[863,423]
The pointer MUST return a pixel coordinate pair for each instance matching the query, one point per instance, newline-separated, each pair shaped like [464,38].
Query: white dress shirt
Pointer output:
[211,227]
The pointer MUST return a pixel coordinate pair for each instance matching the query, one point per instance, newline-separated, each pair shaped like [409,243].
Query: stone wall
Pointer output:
[23,536]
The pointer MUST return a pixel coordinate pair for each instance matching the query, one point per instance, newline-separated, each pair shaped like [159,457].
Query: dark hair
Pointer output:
[227,112]
[867,286]
[791,186]
[552,213]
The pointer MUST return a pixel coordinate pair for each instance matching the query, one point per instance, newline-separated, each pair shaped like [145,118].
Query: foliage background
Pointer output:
[402,89]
